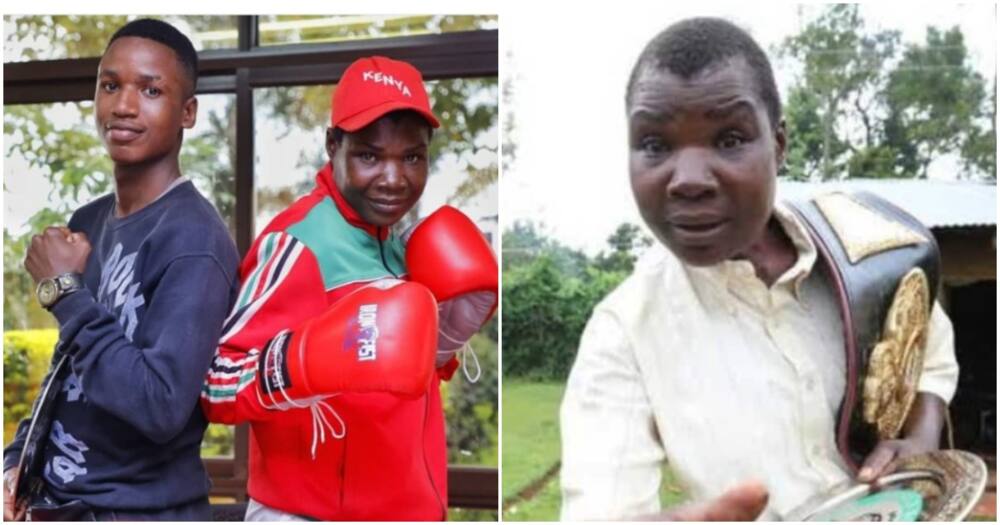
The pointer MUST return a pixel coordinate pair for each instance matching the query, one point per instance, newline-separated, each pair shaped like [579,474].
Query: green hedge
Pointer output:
[26,356]
[544,313]
[472,408]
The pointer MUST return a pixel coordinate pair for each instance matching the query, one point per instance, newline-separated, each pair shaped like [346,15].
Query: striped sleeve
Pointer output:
[281,287]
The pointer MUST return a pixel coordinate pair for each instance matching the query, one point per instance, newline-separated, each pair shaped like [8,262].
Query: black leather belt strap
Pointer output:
[866,246]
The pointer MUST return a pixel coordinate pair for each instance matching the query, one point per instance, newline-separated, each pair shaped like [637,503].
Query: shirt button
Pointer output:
[814,450]
[810,384]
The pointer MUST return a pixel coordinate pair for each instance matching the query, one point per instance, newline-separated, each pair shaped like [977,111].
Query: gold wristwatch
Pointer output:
[50,290]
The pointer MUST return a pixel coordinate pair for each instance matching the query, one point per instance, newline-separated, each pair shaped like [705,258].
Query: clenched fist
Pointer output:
[56,251]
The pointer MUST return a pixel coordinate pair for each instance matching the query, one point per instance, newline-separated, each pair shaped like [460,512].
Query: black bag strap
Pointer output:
[30,481]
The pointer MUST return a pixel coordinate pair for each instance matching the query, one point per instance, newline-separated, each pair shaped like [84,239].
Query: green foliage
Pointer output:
[806,135]
[549,292]
[26,357]
[872,162]
[471,408]
[20,309]
[535,329]
[478,180]
[524,241]
[217,441]
[466,108]
[866,107]
[624,242]
[936,97]
[842,68]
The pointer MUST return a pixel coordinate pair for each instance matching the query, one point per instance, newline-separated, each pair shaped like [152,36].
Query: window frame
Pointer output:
[239,71]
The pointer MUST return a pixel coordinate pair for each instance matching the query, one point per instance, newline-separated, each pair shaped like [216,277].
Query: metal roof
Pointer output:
[937,203]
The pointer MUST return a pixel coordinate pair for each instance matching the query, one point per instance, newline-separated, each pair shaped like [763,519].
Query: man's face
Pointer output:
[142,101]
[703,158]
[381,169]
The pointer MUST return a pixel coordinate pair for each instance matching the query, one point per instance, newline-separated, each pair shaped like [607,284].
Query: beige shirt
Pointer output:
[722,377]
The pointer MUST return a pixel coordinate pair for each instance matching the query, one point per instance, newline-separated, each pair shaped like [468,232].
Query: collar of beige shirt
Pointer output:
[735,274]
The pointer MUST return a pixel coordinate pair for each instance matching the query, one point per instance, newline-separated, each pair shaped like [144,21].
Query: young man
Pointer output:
[323,313]
[140,289]
[723,354]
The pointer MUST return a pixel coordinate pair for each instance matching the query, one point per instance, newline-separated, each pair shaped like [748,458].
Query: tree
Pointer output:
[626,242]
[936,98]
[805,125]
[524,241]
[979,151]
[865,106]
[842,68]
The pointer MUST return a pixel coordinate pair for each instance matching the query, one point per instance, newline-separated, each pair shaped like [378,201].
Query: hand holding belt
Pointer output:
[884,268]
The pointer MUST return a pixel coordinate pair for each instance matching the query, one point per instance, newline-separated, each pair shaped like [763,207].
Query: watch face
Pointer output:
[47,292]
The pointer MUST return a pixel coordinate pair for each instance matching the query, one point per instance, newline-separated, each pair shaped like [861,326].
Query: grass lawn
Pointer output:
[530,432]
[531,447]
[543,507]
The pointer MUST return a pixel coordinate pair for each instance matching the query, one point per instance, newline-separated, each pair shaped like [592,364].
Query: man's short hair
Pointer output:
[690,46]
[395,117]
[167,35]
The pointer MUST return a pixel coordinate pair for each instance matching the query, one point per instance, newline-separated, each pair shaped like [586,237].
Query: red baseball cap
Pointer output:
[374,86]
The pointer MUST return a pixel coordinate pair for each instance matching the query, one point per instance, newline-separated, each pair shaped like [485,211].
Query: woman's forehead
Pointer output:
[713,92]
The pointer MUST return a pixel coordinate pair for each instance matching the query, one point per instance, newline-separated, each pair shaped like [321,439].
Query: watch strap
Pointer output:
[66,283]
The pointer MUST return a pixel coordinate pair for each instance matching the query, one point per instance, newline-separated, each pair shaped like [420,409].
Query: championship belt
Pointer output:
[943,485]
[883,266]
[29,469]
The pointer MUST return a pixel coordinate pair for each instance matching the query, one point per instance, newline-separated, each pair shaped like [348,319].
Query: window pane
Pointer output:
[49,37]
[279,29]
[55,163]
[289,150]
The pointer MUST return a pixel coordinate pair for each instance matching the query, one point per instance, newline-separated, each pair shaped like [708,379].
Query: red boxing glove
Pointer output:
[379,338]
[447,253]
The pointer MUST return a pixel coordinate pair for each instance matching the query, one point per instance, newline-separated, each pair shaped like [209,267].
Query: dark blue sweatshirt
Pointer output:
[127,427]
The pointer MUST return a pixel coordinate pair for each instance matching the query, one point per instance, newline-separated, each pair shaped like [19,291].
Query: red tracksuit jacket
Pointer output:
[392,462]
